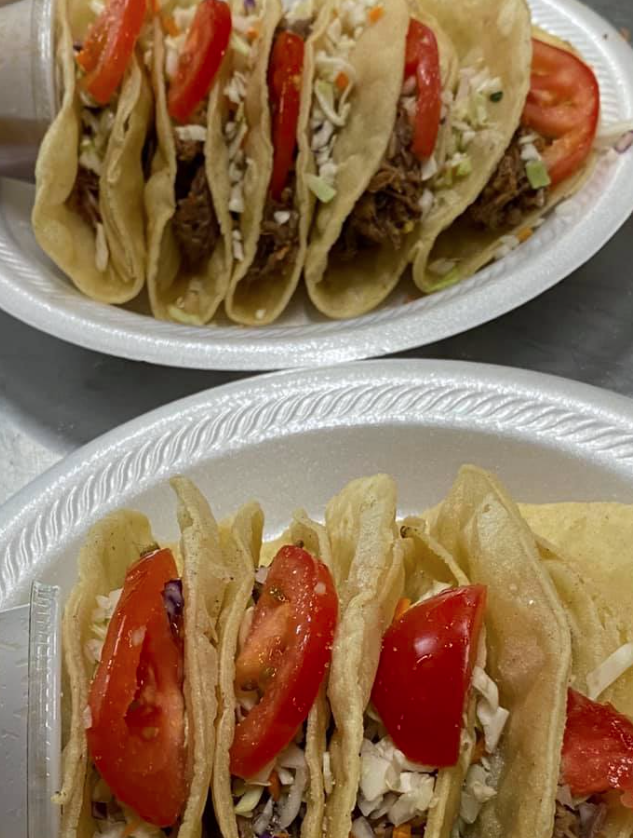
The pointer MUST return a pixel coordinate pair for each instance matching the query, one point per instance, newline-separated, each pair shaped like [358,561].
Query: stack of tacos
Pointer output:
[443,675]
[219,150]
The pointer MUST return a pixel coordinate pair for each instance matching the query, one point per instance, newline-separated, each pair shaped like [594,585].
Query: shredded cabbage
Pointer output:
[609,671]
[492,717]
[193,133]
[323,191]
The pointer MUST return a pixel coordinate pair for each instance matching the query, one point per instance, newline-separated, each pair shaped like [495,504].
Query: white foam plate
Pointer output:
[294,439]
[32,290]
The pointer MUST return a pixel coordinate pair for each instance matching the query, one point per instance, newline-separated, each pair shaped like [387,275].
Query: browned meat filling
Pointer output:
[391,204]
[195,223]
[84,199]
[585,821]
[278,242]
[508,196]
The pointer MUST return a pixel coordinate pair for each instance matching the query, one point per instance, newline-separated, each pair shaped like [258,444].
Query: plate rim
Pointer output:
[484,395]
[321,344]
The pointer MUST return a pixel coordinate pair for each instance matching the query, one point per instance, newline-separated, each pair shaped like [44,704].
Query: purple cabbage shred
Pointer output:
[249,6]
[173,599]
[99,810]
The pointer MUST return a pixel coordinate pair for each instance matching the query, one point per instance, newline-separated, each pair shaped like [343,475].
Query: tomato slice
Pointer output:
[422,59]
[425,671]
[597,748]
[284,86]
[108,47]
[137,735]
[200,60]
[286,654]
[564,106]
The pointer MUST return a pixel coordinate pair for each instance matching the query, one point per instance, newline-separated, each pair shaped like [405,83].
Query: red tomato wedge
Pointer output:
[286,654]
[422,58]
[597,749]
[200,60]
[108,47]
[284,86]
[137,735]
[425,671]
[564,106]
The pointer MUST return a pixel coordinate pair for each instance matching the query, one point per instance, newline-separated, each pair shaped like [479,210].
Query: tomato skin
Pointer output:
[284,87]
[564,106]
[108,47]
[201,58]
[288,667]
[597,748]
[422,59]
[137,735]
[425,671]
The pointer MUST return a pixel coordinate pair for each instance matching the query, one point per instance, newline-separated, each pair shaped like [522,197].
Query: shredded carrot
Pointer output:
[131,828]
[402,831]
[401,607]
[375,14]
[525,234]
[169,25]
[274,785]
[253,33]
[341,81]
[155,7]
[479,750]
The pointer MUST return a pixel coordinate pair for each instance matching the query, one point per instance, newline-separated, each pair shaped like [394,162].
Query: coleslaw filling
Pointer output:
[334,81]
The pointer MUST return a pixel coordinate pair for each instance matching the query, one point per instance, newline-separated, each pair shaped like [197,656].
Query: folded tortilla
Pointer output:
[529,650]
[466,246]
[586,549]
[181,289]
[258,295]
[243,549]
[111,547]
[478,37]
[106,259]
[368,572]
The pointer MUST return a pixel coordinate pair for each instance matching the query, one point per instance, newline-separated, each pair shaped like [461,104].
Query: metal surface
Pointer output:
[55,397]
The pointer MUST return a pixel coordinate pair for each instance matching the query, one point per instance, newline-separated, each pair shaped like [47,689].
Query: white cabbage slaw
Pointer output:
[334,81]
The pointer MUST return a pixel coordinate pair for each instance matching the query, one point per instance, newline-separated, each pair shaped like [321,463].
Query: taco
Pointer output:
[274,247]
[549,158]
[417,742]
[138,636]
[529,650]
[586,549]
[88,212]
[455,104]
[275,639]
[213,150]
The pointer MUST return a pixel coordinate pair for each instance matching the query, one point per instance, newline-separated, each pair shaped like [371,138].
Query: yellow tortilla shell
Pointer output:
[61,232]
[241,544]
[586,551]
[358,150]
[242,540]
[111,547]
[348,289]
[167,280]
[529,650]
[367,559]
[256,302]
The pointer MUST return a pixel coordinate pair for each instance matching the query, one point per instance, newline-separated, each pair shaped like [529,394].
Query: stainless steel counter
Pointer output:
[54,397]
